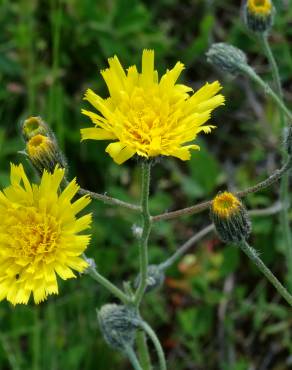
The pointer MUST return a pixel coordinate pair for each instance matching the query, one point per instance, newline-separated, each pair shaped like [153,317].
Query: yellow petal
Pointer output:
[96,134]
[119,152]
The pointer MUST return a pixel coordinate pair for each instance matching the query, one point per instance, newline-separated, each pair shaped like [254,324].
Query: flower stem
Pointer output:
[108,285]
[284,186]
[205,205]
[147,328]
[249,71]
[143,351]
[146,166]
[252,254]
[275,208]
[109,200]
[133,358]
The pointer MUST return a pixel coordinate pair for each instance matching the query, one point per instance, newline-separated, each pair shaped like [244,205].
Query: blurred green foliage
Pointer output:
[215,310]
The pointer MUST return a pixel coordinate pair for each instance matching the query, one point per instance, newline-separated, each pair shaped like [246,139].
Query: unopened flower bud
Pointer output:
[259,15]
[33,126]
[226,57]
[230,218]
[155,278]
[117,324]
[44,153]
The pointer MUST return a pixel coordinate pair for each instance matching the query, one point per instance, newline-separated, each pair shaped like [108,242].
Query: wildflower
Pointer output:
[226,57]
[258,15]
[33,126]
[44,153]
[149,117]
[39,236]
[230,218]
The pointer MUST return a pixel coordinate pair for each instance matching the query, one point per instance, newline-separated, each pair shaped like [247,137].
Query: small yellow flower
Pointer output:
[260,7]
[44,153]
[230,218]
[33,126]
[225,204]
[39,236]
[148,116]
[38,146]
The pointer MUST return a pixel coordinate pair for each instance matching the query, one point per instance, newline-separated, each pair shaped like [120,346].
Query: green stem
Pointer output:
[108,285]
[133,358]
[109,200]
[147,328]
[273,64]
[249,71]
[146,166]
[284,186]
[143,351]
[252,254]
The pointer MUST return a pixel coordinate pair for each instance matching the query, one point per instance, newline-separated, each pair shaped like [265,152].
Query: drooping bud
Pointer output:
[226,57]
[230,218]
[33,126]
[117,324]
[155,278]
[44,153]
[259,15]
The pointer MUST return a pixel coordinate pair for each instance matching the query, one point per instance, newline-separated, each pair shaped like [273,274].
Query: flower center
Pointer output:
[225,204]
[147,121]
[262,7]
[34,234]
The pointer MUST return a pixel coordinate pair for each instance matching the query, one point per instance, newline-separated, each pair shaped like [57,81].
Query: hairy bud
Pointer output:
[155,278]
[33,126]
[230,218]
[117,324]
[226,57]
[44,153]
[259,15]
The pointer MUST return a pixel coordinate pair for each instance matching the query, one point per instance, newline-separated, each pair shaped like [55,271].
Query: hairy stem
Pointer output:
[143,351]
[146,166]
[108,285]
[133,358]
[109,200]
[275,208]
[205,205]
[284,186]
[252,254]
[150,332]
[249,71]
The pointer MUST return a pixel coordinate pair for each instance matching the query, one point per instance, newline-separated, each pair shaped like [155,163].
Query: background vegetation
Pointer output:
[215,310]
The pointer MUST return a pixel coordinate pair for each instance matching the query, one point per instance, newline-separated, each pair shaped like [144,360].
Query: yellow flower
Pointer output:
[39,235]
[44,153]
[225,204]
[230,218]
[260,7]
[148,116]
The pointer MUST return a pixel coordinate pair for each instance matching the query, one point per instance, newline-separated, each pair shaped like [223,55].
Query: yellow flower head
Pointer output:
[148,116]
[33,126]
[38,146]
[44,153]
[260,7]
[39,236]
[225,205]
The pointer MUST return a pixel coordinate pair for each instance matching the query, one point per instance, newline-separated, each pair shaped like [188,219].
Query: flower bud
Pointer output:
[230,218]
[226,57]
[44,153]
[33,126]
[117,324]
[155,278]
[259,15]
